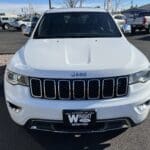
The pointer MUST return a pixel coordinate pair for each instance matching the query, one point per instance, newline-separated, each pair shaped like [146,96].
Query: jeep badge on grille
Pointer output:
[79,74]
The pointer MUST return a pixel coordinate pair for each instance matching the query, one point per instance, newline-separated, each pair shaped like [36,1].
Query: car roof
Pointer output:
[61,10]
[118,15]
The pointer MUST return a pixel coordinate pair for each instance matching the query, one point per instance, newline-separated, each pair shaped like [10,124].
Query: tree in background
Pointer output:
[74,3]
[117,3]
[71,3]
[81,2]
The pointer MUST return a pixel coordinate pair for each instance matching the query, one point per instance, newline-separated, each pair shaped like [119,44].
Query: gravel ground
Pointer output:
[4,58]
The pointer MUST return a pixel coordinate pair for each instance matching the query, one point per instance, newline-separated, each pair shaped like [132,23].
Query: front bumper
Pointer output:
[135,107]
[60,127]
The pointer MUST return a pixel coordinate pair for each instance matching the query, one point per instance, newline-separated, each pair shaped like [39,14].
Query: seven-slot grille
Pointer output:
[79,89]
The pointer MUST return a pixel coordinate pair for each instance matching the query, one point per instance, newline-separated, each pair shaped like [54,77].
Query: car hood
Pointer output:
[113,55]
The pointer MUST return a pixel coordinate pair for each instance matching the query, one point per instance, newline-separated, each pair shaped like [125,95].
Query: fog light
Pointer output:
[77,135]
[17,110]
[142,107]
[14,108]
[34,128]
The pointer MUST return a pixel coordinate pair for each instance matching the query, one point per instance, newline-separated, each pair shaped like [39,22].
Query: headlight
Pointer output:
[140,77]
[16,79]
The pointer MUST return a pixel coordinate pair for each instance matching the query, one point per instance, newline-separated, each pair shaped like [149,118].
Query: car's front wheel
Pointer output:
[148,31]
[6,26]
[22,27]
[133,30]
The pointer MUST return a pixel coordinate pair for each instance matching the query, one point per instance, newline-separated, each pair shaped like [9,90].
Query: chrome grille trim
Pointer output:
[113,93]
[127,80]
[53,98]
[40,88]
[74,89]
[88,88]
[59,89]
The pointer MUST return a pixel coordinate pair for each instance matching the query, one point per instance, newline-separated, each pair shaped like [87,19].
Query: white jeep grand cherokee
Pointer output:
[78,73]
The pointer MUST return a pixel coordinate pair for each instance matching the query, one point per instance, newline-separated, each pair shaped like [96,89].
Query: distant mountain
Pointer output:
[145,7]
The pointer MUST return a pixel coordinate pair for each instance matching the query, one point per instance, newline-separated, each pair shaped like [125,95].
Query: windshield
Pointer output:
[77,24]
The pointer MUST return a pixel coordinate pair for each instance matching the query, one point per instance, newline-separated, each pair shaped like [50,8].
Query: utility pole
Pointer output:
[50,4]
[117,3]
[81,2]
[131,3]
[30,9]
[109,5]
[105,4]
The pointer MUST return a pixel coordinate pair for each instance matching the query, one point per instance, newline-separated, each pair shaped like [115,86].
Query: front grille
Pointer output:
[64,87]
[108,88]
[79,89]
[36,87]
[50,89]
[93,89]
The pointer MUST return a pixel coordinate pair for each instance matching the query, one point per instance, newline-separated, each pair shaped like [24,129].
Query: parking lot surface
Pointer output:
[11,41]
[13,137]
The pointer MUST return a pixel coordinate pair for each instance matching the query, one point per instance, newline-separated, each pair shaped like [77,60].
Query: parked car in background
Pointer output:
[27,31]
[21,24]
[24,23]
[78,74]
[126,29]
[29,28]
[120,19]
[5,22]
[139,21]
[0,23]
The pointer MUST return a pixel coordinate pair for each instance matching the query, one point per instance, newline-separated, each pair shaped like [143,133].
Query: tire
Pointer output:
[148,31]
[133,30]
[23,27]
[6,26]
[18,29]
[3,27]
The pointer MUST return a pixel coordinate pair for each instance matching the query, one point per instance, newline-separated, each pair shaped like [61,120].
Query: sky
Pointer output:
[14,6]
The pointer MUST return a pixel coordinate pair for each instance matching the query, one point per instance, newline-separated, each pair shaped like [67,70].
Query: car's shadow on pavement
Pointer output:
[139,33]
[14,137]
[70,142]
[145,38]
[10,30]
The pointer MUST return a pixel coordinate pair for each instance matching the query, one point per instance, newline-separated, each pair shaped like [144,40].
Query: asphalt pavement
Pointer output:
[11,41]
[13,137]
